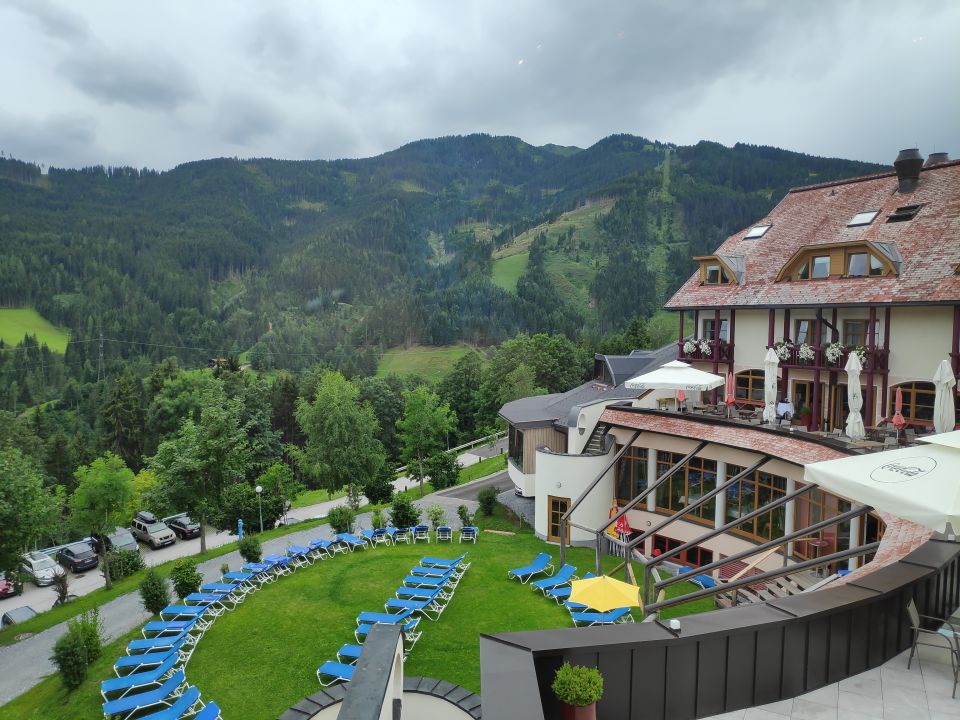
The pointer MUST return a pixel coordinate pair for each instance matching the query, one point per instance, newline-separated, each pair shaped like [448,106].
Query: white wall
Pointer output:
[520,480]
[750,337]
[568,476]
[919,340]
[587,419]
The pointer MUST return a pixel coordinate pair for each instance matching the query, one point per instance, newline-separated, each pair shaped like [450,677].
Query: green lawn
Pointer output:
[507,270]
[15,323]
[313,497]
[427,361]
[485,467]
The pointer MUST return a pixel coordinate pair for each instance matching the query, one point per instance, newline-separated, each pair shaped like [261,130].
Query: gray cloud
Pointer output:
[61,23]
[54,136]
[154,83]
[244,119]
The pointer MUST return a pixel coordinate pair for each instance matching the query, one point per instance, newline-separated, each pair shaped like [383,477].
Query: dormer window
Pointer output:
[715,271]
[863,218]
[820,267]
[856,259]
[863,263]
[757,231]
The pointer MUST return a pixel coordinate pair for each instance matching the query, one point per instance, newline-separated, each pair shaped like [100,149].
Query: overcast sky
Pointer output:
[154,84]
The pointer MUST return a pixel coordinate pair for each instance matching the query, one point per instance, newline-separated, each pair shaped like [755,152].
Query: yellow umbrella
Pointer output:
[604,593]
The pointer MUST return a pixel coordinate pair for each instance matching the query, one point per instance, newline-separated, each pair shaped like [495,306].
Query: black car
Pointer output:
[183,527]
[78,557]
[119,539]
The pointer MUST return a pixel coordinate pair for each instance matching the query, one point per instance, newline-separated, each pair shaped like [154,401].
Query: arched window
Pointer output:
[918,400]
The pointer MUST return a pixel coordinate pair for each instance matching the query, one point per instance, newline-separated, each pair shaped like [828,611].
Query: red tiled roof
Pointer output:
[929,245]
[776,444]
[900,538]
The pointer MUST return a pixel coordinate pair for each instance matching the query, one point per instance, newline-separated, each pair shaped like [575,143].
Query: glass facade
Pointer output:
[753,492]
[687,485]
[515,446]
[631,474]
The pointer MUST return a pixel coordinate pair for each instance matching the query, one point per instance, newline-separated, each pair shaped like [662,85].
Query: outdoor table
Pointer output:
[818,545]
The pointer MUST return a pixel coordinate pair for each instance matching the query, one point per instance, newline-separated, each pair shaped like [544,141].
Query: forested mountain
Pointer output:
[308,260]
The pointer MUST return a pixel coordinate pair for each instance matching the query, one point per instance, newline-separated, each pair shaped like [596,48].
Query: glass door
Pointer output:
[557,507]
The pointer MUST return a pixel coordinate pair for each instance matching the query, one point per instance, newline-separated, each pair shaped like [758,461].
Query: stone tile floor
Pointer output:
[890,692]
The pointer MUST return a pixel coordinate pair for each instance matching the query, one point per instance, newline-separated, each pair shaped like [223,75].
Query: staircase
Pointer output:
[766,589]
[595,445]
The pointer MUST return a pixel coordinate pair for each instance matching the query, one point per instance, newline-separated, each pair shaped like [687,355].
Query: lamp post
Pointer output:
[259,489]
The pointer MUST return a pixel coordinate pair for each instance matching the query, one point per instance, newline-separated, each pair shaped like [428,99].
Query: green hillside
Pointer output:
[426,361]
[15,323]
[507,270]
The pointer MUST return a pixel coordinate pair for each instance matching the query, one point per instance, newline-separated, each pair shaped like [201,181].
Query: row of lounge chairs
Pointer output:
[425,593]
[558,587]
[365,539]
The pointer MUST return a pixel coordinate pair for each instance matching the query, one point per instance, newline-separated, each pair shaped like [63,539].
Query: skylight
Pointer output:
[863,218]
[756,231]
[902,214]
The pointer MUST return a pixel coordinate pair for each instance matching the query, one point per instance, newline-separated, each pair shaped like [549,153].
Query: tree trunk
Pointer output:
[106,564]
[203,531]
[420,466]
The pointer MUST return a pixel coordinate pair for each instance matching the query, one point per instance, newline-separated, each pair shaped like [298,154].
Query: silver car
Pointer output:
[41,568]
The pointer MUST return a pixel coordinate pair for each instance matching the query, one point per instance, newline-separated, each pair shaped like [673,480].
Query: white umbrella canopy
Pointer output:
[914,483]
[944,409]
[770,363]
[675,375]
[855,429]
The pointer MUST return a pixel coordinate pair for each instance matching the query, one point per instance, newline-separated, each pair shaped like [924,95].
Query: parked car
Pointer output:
[154,533]
[17,615]
[183,527]
[78,557]
[119,539]
[40,568]
[7,587]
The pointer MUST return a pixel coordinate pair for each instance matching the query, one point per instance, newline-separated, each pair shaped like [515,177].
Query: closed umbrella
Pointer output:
[944,408]
[731,398]
[681,398]
[770,363]
[604,593]
[855,429]
[897,420]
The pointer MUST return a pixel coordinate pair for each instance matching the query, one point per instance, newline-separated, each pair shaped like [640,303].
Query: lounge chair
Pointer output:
[351,541]
[439,562]
[377,536]
[424,571]
[138,682]
[139,663]
[349,654]
[156,628]
[262,572]
[563,577]
[213,602]
[399,535]
[185,612]
[422,593]
[247,579]
[421,532]
[382,618]
[281,564]
[335,672]
[231,595]
[419,581]
[444,533]
[430,609]
[300,555]
[211,711]
[137,703]
[409,631]
[703,581]
[562,592]
[158,644]
[541,564]
[619,615]
[322,548]
[186,705]
[468,533]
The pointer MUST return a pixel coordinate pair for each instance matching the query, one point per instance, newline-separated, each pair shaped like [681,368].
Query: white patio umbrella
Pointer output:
[917,483]
[855,429]
[770,363]
[675,375]
[944,409]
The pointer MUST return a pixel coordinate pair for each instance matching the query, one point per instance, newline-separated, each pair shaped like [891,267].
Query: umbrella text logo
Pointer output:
[904,469]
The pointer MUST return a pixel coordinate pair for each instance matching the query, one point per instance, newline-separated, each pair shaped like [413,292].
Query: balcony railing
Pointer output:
[704,353]
[873,361]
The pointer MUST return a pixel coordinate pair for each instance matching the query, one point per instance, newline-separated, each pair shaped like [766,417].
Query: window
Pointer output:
[811,508]
[855,332]
[515,449]
[714,274]
[709,330]
[752,492]
[695,556]
[757,231]
[686,485]
[863,263]
[748,385]
[631,474]
[902,214]
[805,331]
[820,267]
[863,218]
[804,272]
[918,400]
[557,506]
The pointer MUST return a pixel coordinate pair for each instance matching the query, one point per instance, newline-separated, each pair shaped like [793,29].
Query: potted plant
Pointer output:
[578,688]
[804,415]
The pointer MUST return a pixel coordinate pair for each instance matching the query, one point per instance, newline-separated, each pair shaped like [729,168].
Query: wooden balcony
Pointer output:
[875,361]
[724,354]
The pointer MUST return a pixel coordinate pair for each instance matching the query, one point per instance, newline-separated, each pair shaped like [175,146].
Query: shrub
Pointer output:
[341,519]
[77,648]
[403,513]
[154,592]
[437,515]
[185,577]
[464,516]
[224,568]
[578,685]
[91,630]
[249,549]
[488,500]
[124,563]
[443,469]
[379,490]
[376,519]
[60,586]
[239,501]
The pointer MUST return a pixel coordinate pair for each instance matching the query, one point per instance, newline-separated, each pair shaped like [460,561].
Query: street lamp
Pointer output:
[259,489]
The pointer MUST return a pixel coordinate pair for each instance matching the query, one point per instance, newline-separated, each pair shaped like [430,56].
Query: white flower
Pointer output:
[783,349]
[833,352]
[805,352]
[705,348]
[688,347]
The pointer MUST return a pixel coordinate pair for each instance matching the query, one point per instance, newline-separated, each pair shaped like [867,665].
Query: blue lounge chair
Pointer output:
[156,628]
[375,537]
[352,541]
[138,682]
[335,672]
[184,612]
[563,577]
[186,705]
[349,654]
[468,533]
[158,644]
[383,618]
[411,593]
[427,582]
[430,609]
[247,579]
[444,533]
[421,532]
[137,703]
[300,555]
[398,535]
[211,711]
[425,571]
[322,548]
[560,594]
[619,615]
[409,631]
[541,564]
[282,564]
[262,572]
[230,594]
[446,563]
[213,602]
[139,663]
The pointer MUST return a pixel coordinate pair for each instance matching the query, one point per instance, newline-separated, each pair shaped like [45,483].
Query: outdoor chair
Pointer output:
[262,572]
[139,663]
[349,654]
[352,541]
[421,532]
[562,592]
[890,442]
[910,434]
[321,548]
[213,602]
[187,705]
[541,564]
[563,577]
[334,672]
[945,637]
[282,564]
[383,618]
[138,682]
[156,628]
[468,533]
[703,581]
[410,635]
[430,609]
[611,617]
[422,571]
[398,535]
[230,593]
[420,581]
[444,532]
[422,593]
[375,537]
[247,579]
[158,644]
[135,704]
[300,555]
[183,612]
[211,711]
[429,561]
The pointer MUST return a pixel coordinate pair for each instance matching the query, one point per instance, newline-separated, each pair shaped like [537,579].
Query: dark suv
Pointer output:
[119,539]
[78,557]
[183,527]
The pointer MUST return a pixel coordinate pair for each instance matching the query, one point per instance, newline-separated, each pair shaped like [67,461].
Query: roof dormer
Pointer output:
[720,269]
[846,259]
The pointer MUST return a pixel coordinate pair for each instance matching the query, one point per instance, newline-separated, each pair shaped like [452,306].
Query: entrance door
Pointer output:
[557,506]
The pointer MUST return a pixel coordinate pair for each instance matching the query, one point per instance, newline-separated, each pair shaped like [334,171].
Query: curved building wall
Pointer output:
[567,476]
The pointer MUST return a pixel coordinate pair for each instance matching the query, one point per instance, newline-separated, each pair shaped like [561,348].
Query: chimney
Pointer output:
[907,165]
[936,159]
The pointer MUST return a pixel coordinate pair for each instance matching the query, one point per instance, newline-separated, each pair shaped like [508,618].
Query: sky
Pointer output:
[120,82]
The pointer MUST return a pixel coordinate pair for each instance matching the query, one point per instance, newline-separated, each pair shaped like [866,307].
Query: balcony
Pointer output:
[702,350]
[873,361]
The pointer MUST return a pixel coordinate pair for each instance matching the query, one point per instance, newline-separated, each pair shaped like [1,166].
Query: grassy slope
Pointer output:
[423,360]
[507,270]
[489,466]
[17,322]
